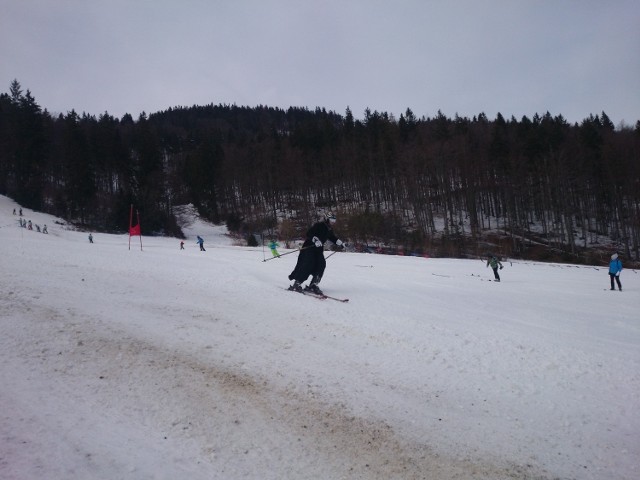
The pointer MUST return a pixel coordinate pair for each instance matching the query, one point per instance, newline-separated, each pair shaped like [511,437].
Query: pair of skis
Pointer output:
[319,296]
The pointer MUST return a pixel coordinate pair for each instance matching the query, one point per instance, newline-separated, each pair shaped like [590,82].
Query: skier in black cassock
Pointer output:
[311,258]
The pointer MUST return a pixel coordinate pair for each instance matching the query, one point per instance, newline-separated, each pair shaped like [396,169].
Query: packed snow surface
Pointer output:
[162,363]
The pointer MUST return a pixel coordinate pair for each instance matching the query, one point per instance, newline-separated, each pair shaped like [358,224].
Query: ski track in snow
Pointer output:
[136,365]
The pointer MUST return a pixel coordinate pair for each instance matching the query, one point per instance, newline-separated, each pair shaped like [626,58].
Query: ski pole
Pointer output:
[332,253]
[288,253]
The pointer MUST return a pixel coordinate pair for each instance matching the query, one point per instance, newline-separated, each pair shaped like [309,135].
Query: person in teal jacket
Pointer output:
[495,263]
[615,267]
[273,245]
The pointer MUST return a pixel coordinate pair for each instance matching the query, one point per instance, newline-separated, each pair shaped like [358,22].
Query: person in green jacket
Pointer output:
[495,263]
[273,245]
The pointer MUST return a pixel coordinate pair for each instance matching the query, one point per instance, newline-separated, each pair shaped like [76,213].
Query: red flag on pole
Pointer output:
[134,230]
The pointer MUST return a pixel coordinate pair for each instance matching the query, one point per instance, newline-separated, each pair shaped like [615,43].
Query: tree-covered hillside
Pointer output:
[458,186]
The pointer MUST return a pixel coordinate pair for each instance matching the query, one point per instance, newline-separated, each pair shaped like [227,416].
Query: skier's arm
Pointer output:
[332,237]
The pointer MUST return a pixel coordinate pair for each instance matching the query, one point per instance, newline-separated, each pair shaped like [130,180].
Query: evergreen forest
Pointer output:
[537,187]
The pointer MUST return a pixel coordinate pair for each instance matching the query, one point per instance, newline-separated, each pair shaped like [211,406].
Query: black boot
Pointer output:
[313,288]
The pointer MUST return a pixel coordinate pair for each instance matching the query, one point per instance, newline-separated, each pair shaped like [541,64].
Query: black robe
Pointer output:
[311,258]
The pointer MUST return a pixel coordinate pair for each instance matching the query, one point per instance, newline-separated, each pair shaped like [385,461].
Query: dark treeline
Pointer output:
[451,186]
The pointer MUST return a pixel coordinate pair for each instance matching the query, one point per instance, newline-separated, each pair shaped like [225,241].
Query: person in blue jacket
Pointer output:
[311,259]
[615,267]
[200,242]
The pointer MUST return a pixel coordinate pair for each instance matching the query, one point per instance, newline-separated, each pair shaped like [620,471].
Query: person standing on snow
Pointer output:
[615,267]
[494,262]
[273,245]
[90,238]
[200,242]
[311,259]
[181,245]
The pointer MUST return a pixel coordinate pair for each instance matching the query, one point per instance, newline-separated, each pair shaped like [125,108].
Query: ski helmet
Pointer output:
[329,217]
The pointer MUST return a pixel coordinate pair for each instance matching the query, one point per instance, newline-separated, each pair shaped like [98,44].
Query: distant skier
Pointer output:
[181,245]
[615,267]
[311,259]
[494,262]
[200,242]
[273,245]
[44,229]
[14,211]
[90,238]
[29,225]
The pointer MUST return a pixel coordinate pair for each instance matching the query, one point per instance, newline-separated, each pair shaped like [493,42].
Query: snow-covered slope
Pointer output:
[164,364]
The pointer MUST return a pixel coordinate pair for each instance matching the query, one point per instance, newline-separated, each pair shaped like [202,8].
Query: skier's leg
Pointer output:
[321,264]
[294,272]
[318,270]
[612,276]
[619,284]
[292,275]
[304,267]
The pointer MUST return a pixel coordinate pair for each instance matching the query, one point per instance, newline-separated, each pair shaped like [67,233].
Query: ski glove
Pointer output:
[501,267]
[317,242]
[618,274]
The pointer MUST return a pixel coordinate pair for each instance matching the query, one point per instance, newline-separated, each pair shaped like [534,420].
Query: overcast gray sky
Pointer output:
[516,57]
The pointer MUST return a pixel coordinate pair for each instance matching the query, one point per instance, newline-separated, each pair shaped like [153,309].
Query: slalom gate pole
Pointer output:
[139,228]
[130,220]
